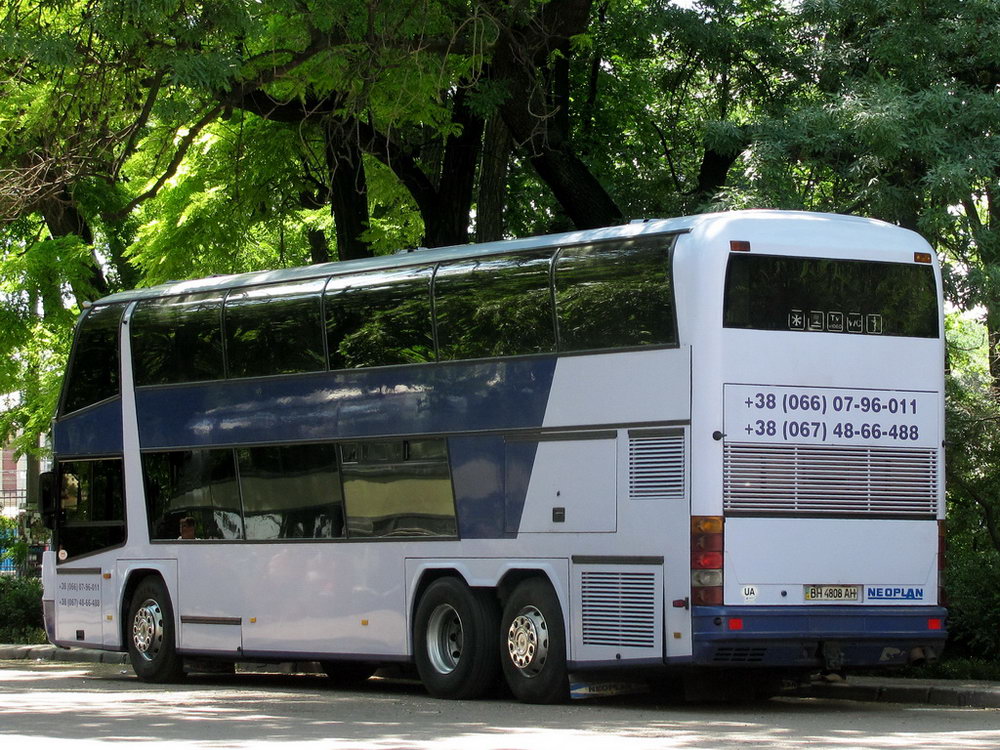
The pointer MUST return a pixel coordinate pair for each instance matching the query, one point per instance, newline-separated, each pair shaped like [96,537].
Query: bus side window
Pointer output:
[398,489]
[275,329]
[381,318]
[613,296]
[291,492]
[495,306]
[94,369]
[178,339]
[91,506]
[200,484]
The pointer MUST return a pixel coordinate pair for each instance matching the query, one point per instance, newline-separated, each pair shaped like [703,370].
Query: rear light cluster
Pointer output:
[706,559]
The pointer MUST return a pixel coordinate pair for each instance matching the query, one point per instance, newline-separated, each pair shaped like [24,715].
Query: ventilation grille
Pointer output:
[619,609]
[830,480]
[739,654]
[656,466]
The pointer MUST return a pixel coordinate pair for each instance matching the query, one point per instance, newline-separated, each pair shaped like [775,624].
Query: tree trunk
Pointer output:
[447,223]
[497,146]
[348,190]
[532,115]
[319,248]
[63,219]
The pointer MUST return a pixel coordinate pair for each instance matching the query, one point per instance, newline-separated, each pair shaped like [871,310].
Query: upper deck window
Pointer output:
[779,293]
[178,339]
[275,329]
[611,296]
[496,306]
[93,372]
[380,318]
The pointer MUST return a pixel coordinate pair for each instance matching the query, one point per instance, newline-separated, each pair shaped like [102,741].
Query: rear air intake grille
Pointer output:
[619,609]
[656,466]
[829,480]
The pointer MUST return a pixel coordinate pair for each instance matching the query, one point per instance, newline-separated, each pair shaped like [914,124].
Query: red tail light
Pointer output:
[706,560]
[707,555]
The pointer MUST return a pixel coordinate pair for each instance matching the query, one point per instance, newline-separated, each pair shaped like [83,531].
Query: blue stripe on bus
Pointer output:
[435,399]
[490,476]
[96,431]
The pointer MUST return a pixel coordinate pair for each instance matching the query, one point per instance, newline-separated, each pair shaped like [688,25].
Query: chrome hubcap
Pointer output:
[445,638]
[147,629]
[528,641]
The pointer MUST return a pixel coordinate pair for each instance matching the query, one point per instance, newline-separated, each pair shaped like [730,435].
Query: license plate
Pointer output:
[825,593]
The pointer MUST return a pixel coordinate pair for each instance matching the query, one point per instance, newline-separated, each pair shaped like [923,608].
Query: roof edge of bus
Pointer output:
[421,256]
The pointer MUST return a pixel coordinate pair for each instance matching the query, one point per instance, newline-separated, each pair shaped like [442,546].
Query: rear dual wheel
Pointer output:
[533,651]
[459,633]
[455,639]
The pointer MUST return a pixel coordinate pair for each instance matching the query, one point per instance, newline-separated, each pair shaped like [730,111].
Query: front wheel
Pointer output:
[455,639]
[533,653]
[152,636]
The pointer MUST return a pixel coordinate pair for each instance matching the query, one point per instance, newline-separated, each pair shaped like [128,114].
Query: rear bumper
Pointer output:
[831,637]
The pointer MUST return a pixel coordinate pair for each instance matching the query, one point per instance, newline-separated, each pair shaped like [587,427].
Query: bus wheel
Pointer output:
[455,639]
[152,638]
[534,644]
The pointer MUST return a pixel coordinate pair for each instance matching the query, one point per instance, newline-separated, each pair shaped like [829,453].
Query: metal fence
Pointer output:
[12,500]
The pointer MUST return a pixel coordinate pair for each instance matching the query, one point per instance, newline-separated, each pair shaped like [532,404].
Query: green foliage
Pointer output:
[972,578]
[21,610]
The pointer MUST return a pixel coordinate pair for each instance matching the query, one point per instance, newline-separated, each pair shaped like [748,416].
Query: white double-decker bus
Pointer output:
[708,445]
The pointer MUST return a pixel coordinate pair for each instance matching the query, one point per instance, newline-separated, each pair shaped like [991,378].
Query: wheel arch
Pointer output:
[133,579]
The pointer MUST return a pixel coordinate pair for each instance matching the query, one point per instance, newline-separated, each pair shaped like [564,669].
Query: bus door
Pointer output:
[89,517]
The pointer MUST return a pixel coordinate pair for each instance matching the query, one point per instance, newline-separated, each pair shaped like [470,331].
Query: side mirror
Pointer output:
[48,497]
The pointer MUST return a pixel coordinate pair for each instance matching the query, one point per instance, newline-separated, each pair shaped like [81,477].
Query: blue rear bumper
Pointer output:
[816,636]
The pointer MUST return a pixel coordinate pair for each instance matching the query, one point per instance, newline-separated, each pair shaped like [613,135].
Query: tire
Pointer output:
[152,634]
[455,639]
[533,651]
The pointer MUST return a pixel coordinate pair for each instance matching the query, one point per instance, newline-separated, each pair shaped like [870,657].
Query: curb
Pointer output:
[57,653]
[958,693]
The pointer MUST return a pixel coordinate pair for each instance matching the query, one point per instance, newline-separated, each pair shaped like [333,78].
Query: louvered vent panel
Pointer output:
[656,466]
[619,609]
[830,479]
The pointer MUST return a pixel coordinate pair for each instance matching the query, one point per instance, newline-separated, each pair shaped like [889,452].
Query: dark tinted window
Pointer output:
[199,484]
[291,492]
[610,296]
[92,505]
[398,488]
[381,318]
[178,339]
[93,371]
[494,307]
[777,293]
[274,330]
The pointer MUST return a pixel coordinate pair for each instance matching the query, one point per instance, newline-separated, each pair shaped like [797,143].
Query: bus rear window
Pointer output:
[777,293]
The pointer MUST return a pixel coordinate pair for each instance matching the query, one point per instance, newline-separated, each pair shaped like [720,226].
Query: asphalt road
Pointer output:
[94,705]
